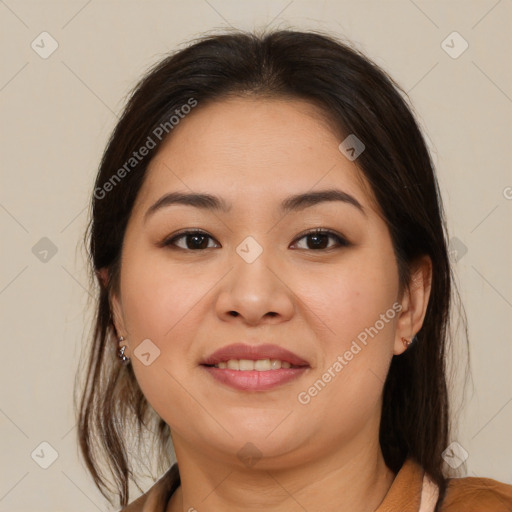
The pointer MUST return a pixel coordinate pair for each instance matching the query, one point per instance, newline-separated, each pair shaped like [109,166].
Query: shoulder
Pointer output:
[478,494]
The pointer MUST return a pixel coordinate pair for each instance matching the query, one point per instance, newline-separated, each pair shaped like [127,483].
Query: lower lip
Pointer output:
[253,380]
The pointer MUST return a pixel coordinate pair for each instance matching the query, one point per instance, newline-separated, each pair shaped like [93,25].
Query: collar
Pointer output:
[411,491]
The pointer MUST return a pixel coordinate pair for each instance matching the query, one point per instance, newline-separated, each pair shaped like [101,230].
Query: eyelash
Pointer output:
[170,242]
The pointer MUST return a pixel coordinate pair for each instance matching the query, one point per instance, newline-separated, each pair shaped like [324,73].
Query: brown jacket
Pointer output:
[411,491]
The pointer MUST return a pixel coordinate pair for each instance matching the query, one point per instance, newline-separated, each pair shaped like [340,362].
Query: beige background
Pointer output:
[58,112]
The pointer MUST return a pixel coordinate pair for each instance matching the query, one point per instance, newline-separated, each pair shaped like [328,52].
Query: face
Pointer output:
[257,274]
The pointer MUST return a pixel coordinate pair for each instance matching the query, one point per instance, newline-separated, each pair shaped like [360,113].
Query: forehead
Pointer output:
[253,148]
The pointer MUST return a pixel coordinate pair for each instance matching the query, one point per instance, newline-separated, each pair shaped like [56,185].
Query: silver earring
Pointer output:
[124,360]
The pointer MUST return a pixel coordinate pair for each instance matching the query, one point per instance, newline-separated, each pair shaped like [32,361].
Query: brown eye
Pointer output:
[199,240]
[319,240]
[193,240]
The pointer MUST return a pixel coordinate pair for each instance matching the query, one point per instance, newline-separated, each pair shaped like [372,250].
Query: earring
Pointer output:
[124,360]
[407,342]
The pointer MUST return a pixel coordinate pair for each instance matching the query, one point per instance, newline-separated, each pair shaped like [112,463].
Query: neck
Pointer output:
[354,479]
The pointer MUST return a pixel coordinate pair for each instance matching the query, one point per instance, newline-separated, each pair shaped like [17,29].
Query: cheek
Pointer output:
[158,295]
[159,306]
[164,303]
[350,297]
[346,388]
[357,335]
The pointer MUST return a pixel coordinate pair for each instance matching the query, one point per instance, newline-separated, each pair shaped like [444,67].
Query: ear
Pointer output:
[116,308]
[414,303]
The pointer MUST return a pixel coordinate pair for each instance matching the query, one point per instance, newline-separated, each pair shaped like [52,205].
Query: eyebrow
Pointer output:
[293,203]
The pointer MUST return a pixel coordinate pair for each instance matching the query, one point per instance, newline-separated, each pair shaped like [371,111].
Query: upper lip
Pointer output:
[253,352]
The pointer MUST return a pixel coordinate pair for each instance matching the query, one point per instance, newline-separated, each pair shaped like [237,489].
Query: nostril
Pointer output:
[233,313]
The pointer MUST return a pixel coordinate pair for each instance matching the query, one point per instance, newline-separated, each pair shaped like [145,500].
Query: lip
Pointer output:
[254,380]
[253,352]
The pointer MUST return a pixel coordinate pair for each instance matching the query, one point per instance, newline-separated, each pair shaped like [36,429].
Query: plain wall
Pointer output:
[56,116]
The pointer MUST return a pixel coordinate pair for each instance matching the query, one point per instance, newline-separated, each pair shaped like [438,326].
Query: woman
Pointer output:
[275,288]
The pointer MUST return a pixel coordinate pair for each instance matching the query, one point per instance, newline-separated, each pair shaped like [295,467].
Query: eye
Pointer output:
[319,239]
[194,240]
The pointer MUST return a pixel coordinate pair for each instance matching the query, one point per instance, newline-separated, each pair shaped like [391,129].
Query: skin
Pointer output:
[323,455]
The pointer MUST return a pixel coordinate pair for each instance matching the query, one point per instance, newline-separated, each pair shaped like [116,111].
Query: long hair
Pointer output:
[357,97]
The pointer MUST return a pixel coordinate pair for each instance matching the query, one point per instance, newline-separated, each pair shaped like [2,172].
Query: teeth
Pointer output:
[234,364]
[261,365]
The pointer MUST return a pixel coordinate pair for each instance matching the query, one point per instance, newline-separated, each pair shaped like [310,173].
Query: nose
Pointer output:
[254,293]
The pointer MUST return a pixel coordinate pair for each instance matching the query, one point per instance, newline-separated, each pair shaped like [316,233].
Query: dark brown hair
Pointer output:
[358,98]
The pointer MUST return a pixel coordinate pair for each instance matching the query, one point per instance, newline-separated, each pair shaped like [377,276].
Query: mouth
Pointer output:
[260,365]
[254,368]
